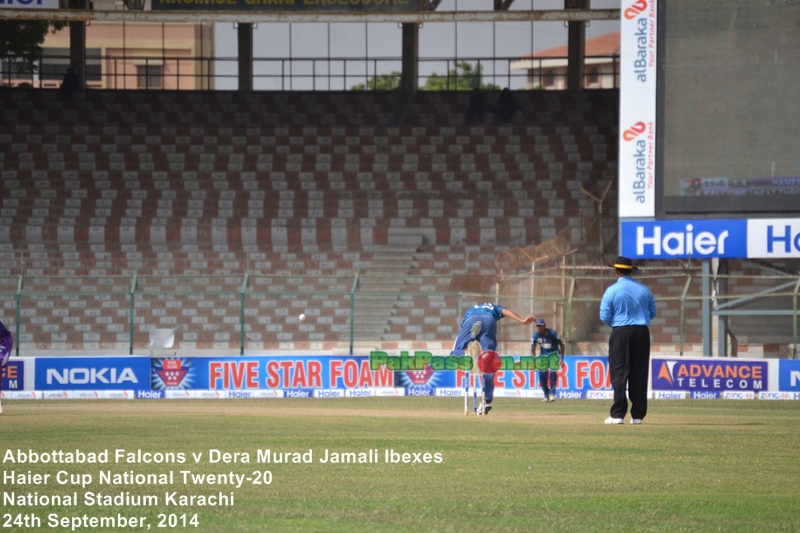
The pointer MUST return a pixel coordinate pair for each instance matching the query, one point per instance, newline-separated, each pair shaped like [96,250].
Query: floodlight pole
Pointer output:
[706,307]
[245,284]
[20,284]
[683,306]
[353,308]
[570,297]
[132,314]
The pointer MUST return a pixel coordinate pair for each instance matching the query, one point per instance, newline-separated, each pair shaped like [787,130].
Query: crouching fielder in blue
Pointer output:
[487,316]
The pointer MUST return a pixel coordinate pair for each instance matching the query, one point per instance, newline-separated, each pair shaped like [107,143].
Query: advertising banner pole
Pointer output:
[794,319]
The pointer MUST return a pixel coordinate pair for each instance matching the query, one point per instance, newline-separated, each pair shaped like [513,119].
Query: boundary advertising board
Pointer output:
[709,377]
[580,377]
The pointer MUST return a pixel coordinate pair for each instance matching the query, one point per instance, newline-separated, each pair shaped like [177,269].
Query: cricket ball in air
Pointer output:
[489,362]
[302,317]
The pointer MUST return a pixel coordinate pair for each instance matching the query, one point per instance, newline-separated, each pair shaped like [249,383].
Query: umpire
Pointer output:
[628,307]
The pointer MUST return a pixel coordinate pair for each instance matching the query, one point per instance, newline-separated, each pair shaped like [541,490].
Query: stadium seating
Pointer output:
[188,192]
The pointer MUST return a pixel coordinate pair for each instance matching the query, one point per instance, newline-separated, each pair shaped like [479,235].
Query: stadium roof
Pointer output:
[604,45]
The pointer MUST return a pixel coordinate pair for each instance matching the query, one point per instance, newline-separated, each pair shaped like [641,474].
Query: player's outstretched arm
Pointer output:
[511,314]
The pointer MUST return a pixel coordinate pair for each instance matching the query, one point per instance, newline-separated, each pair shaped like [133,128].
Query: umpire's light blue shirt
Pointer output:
[627,303]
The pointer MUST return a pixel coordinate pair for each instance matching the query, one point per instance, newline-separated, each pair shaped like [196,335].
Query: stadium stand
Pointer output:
[191,191]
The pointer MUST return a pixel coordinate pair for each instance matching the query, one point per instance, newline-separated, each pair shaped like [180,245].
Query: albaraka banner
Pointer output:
[637,112]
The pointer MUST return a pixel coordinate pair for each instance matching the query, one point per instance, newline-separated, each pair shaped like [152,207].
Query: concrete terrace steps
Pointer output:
[389,267]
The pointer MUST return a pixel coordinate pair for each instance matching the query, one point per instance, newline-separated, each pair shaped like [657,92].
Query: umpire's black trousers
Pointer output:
[629,365]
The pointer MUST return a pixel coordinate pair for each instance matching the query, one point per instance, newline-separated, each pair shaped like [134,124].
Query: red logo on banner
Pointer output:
[172,372]
[634,131]
[420,377]
[638,7]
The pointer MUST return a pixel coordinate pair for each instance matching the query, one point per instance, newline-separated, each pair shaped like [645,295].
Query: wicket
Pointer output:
[474,377]
[474,380]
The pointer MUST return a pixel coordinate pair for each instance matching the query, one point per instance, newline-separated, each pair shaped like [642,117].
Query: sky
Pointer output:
[311,45]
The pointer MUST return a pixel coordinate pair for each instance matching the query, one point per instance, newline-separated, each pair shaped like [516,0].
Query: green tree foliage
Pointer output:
[21,41]
[384,82]
[464,77]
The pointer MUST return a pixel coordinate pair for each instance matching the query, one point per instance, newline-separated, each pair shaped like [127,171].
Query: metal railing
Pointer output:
[254,313]
[309,74]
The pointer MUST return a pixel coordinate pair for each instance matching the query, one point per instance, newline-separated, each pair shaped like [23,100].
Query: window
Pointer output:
[150,76]
[592,77]
[549,78]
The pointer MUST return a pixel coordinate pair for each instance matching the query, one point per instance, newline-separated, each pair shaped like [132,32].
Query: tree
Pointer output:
[21,41]
[464,77]
[384,82]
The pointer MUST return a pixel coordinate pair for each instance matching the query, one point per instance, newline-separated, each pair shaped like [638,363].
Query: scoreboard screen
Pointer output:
[729,108]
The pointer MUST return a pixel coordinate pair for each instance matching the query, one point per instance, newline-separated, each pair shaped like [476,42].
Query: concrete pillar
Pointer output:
[77,44]
[576,42]
[245,38]
[410,78]
[722,320]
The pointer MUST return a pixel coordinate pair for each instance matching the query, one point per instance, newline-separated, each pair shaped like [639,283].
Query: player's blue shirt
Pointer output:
[495,310]
[547,343]
[627,303]
[488,315]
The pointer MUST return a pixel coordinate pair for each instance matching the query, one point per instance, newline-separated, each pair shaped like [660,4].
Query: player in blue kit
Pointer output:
[480,323]
[548,342]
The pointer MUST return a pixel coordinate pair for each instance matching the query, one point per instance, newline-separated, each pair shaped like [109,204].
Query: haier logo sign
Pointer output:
[773,238]
[789,375]
[685,238]
[704,239]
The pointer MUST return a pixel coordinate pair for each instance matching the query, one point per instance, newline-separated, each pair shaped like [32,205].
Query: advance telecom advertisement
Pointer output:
[379,374]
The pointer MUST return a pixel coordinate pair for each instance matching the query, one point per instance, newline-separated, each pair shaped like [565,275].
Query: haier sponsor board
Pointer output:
[773,238]
[684,238]
[789,375]
[706,239]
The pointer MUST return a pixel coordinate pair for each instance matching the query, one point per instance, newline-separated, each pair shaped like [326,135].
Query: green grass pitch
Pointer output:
[695,465]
